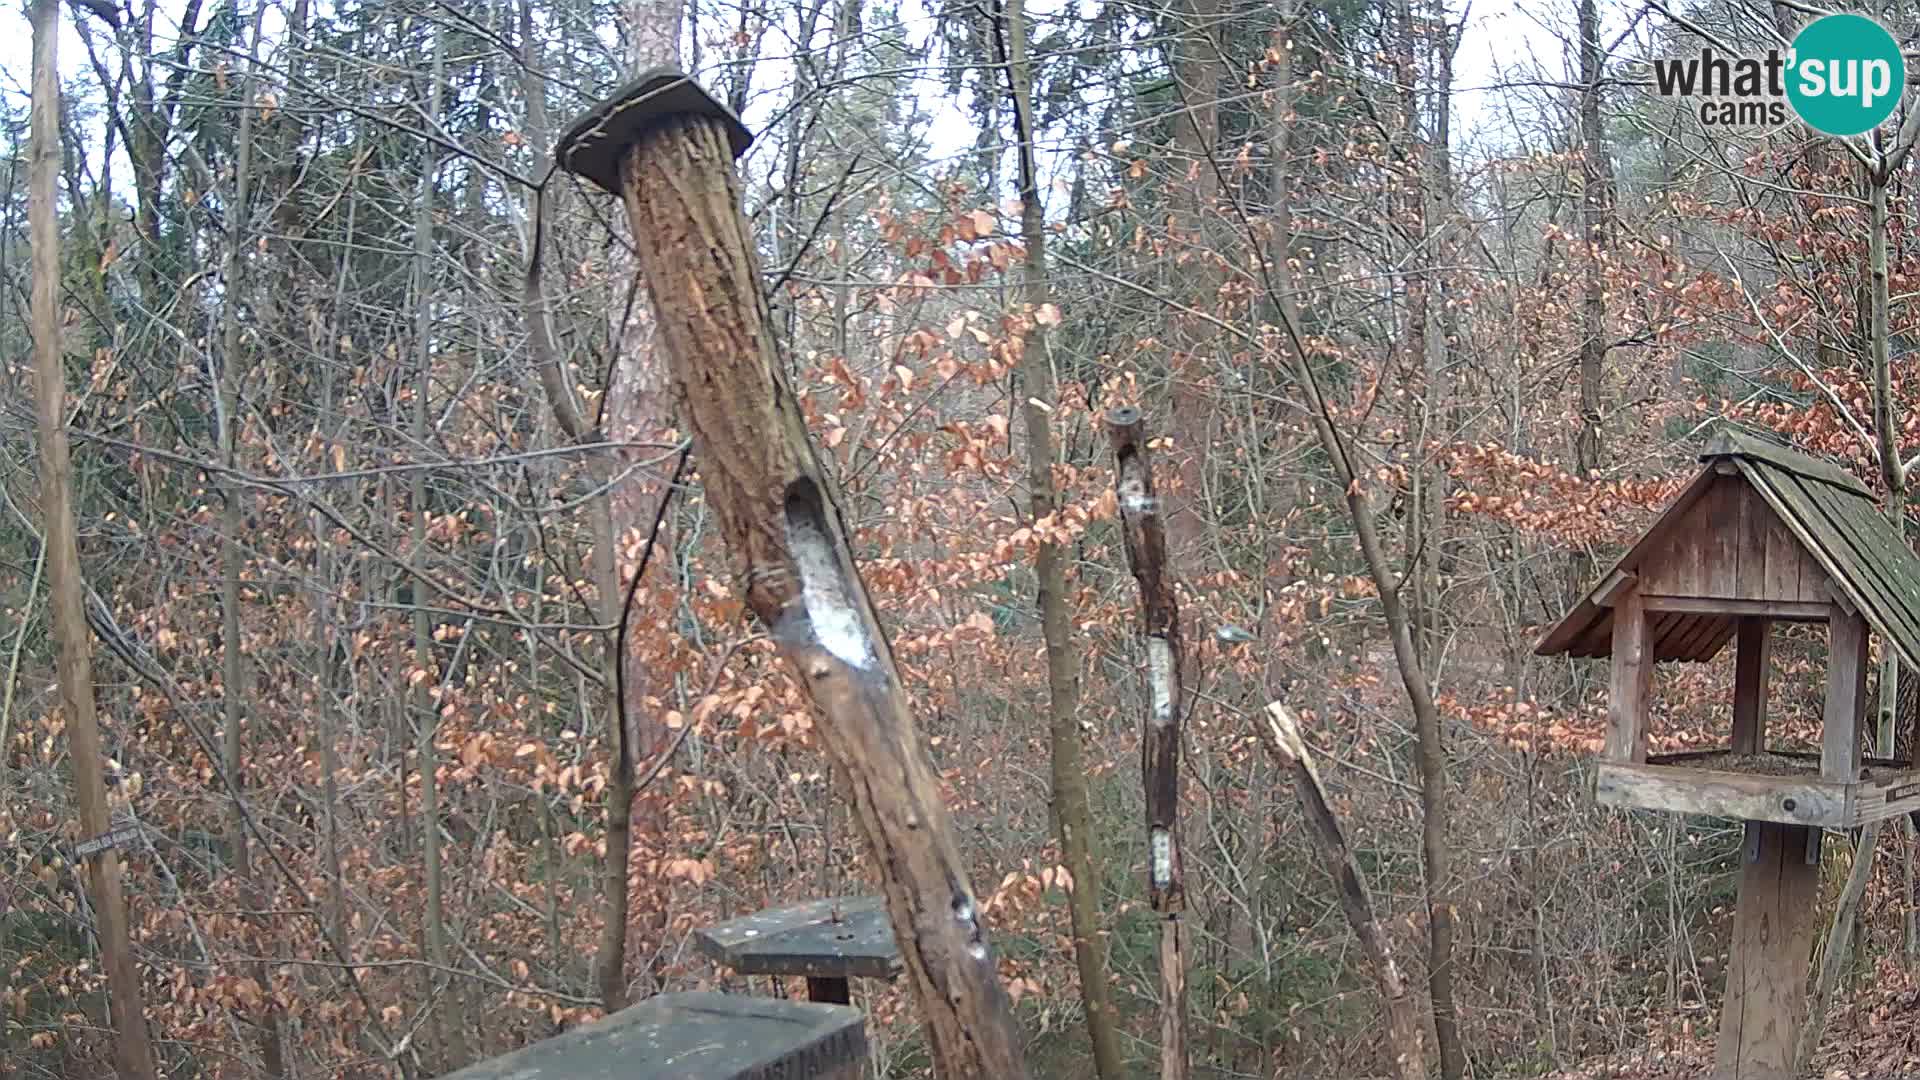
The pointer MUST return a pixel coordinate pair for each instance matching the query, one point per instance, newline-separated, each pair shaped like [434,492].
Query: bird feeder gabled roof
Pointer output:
[1755,500]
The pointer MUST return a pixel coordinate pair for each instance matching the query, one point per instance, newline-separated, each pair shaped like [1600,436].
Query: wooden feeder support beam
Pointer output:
[1773,929]
[1632,675]
[776,508]
[1752,662]
[1846,696]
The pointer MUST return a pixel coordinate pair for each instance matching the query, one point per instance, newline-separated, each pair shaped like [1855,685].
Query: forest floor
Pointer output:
[1874,1037]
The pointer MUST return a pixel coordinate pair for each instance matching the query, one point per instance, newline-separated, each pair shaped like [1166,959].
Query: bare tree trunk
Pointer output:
[450,1038]
[233,676]
[133,1055]
[1146,544]
[775,506]
[1596,183]
[636,401]
[1197,60]
[637,408]
[1038,390]
[1282,735]
[1430,755]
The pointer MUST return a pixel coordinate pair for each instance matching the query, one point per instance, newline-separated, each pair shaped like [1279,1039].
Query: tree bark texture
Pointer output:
[1038,389]
[1281,732]
[1145,538]
[133,1054]
[1596,184]
[775,507]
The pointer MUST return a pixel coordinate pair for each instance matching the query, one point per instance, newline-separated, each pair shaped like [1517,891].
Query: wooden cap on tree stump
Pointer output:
[595,144]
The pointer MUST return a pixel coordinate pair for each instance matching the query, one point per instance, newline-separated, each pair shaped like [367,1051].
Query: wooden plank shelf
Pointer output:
[828,941]
[1718,783]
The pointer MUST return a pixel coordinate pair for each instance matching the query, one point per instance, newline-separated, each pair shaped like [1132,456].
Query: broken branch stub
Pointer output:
[674,147]
[1281,733]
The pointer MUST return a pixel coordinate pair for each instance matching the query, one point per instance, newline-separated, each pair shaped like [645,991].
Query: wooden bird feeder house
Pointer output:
[1762,535]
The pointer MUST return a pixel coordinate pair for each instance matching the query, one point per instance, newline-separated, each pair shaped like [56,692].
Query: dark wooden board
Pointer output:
[806,939]
[696,1036]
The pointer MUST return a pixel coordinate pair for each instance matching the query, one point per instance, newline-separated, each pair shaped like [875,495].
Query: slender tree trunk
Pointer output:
[233,675]
[1596,182]
[1430,754]
[1838,950]
[636,406]
[1038,391]
[133,1055]
[1197,61]
[450,1037]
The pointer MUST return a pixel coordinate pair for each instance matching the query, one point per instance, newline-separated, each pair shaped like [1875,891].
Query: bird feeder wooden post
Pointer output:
[1762,535]
[666,148]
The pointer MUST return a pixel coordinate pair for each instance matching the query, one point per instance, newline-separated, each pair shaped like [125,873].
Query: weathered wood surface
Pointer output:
[776,508]
[1783,535]
[1861,554]
[1730,545]
[843,937]
[1143,532]
[1784,610]
[1281,733]
[1773,928]
[1688,784]
[1632,675]
[1846,700]
[1681,790]
[1752,666]
[697,1036]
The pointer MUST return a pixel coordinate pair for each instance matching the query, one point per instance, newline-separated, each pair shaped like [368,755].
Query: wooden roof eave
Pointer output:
[1593,606]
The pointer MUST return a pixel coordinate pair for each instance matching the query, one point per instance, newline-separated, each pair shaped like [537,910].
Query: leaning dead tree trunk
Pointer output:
[1146,541]
[1282,735]
[667,147]
[133,1055]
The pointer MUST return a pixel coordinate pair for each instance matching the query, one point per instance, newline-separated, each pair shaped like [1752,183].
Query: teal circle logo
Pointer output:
[1846,74]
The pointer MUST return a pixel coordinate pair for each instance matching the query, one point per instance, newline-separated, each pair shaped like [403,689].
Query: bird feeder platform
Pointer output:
[1762,535]
[696,1036]
[827,941]
[1779,786]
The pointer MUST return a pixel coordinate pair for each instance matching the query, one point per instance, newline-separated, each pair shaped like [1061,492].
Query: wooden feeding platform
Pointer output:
[1777,786]
[827,941]
[1762,535]
[696,1036]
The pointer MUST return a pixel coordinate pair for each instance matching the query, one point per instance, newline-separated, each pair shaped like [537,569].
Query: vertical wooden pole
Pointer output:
[1632,675]
[1750,670]
[1766,997]
[1144,533]
[1846,696]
